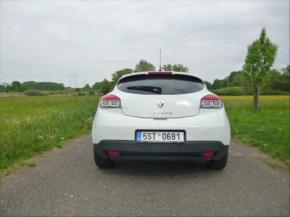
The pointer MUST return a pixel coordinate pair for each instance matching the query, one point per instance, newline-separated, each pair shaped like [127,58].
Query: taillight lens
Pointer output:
[211,101]
[110,101]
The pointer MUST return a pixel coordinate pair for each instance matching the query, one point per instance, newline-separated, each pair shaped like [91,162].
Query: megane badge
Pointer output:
[160,103]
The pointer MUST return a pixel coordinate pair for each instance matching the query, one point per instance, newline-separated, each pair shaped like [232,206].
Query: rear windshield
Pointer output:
[162,85]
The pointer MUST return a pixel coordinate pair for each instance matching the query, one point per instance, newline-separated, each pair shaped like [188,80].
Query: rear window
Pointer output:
[160,84]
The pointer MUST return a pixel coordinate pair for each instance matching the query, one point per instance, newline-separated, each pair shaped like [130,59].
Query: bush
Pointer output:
[230,91]
[238,91]
[58,92]
[274,92]
[81,93]
[34,93]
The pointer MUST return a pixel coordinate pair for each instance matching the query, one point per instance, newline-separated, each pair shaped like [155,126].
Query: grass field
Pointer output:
[32,125]
[268,129]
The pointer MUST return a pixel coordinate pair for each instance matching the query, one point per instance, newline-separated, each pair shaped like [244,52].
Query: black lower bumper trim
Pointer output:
[129,149]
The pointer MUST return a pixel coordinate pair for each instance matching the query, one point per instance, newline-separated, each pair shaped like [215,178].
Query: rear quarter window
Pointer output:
[160,84]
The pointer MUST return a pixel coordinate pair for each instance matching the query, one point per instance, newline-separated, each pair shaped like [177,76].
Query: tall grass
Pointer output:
[268,129]
[32,125]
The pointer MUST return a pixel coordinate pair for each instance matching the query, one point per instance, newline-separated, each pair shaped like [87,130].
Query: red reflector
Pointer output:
[113,153]
[159,73]
[211,97]
[208,154]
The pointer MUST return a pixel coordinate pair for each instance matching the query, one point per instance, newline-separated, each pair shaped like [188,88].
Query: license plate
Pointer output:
[159,136]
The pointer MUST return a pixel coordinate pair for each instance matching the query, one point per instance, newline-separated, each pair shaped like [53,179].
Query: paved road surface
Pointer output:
[66,182]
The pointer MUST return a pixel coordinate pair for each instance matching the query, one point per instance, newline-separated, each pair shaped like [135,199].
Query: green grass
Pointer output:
[32,125]
[268,129]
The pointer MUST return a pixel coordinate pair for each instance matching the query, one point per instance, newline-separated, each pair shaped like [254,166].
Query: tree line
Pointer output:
[106,86]
[101,87]
[17,86]
[275,82]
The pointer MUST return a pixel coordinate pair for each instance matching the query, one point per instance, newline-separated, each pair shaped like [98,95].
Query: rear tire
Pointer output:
[103,163]
[218,164]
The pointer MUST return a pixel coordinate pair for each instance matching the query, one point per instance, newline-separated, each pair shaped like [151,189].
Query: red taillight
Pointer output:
[113,153]
[110,101]
[208,154]
[211,101]
[164,73]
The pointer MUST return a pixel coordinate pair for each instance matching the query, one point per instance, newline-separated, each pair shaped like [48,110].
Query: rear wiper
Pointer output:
[146,88]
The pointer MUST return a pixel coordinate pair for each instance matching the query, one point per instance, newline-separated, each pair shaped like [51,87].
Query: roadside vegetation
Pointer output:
[268,130]
[32,125]
[275,82]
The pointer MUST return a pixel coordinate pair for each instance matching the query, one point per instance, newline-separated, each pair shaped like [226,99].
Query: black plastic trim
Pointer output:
[130,149]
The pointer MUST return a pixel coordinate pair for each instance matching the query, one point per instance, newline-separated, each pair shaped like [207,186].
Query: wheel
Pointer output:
[218,164]
[103,163]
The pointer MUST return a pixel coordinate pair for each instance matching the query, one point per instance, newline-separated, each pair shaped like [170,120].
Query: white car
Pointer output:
[161,116]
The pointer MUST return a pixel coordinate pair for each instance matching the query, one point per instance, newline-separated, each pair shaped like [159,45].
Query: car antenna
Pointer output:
[160,61]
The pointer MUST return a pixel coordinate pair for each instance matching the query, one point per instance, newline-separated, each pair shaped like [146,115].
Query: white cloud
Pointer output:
[51,39]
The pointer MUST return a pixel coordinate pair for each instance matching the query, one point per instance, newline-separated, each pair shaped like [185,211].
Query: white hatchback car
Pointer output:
[161,115]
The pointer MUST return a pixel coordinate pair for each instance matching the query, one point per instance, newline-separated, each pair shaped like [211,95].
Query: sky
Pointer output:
[88,40]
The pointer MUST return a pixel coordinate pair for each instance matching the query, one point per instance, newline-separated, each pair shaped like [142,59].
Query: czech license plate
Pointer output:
[160,136]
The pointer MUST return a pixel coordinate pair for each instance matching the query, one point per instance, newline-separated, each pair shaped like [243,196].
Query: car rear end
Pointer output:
[160,115]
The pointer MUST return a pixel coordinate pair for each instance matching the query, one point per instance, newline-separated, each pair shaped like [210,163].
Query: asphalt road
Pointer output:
[66,182]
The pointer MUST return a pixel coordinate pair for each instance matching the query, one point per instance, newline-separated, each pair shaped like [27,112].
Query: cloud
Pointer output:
[50,39]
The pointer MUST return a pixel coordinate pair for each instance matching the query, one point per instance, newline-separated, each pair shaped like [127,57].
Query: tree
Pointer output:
[286,70]
[238,79]
[175,67]
[16,86]
[33,85]
[179,68]
[272,80]
[277,80]
[96,86]
[167,67]
[286,77]
[144,66]
[259,60]
[118,74]
[87,87]
[2,87]
[217,84]
[105,87]
[208,85]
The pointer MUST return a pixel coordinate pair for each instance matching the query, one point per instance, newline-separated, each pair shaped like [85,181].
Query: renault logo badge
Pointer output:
[160,103]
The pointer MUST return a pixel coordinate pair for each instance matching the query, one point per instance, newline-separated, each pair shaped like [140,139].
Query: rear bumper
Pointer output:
[188,150]
[208,125]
